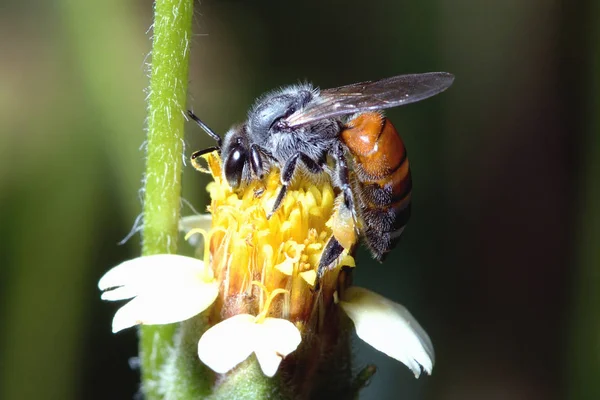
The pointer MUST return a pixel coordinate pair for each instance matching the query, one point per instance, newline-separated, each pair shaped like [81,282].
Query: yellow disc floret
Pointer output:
[255,257]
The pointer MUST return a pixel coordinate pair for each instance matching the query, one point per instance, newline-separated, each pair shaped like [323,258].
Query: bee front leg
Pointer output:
[287,173]
[197,154]
[208,150]
[256,162]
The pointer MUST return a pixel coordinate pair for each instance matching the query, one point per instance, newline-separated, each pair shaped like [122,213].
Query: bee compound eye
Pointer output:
[234,167]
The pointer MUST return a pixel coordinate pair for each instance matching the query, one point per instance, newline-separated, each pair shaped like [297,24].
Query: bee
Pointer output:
[340,132]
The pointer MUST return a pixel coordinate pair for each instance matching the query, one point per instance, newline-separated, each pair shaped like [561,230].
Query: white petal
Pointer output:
[278,335]
[202,221]
[166,305]
[275,339]
[390,328]
[228,343]
[268,361]
[151,272]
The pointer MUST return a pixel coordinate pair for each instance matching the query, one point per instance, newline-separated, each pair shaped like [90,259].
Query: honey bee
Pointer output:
[339,132]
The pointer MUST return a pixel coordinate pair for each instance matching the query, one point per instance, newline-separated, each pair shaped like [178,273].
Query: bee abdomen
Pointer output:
[383,175]
[384,226]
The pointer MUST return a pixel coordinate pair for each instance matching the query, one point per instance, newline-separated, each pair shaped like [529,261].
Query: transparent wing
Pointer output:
[372,95]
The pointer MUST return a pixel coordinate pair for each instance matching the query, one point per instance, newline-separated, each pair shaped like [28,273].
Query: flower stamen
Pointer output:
[260,317]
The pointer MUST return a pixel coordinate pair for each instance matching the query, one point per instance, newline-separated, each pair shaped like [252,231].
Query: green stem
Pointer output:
[185,377]
[166,105]
[247,382]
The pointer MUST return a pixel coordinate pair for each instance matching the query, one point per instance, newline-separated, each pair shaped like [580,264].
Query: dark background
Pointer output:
[500,261]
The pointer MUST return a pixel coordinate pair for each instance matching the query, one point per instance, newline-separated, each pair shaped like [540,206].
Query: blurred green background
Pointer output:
[500,261]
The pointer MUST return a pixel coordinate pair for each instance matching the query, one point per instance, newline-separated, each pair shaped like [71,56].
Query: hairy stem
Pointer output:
[166,104]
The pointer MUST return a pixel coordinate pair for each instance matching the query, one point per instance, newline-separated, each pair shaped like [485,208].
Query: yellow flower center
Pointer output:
[256,258]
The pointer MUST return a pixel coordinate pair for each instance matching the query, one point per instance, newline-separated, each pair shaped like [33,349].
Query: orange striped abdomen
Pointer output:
[384,182]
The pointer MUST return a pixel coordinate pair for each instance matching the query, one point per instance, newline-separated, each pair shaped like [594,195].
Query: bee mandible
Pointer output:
[302,127]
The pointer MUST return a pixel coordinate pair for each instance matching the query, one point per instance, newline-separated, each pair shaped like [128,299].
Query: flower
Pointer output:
[256,282]
[170,288]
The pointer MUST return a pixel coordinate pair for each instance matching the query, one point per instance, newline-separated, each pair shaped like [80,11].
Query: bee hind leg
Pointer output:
[330,254]
[344,179]
[332,251]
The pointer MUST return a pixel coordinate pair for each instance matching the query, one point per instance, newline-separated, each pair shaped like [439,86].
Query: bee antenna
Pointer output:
[206,129]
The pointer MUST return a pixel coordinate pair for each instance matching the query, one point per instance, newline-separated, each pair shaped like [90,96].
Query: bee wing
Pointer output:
[372,95]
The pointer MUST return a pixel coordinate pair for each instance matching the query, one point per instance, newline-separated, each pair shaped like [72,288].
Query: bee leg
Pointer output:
[266,153]
[256,162]
[197,154]
[287,173]
[330,254]
[344,178]
[278,200]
